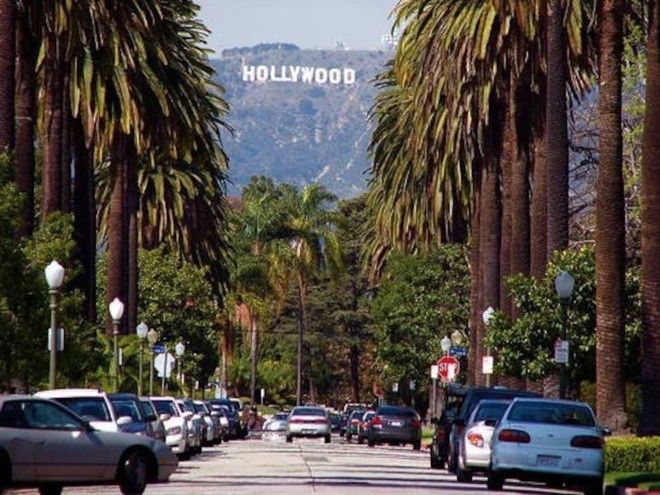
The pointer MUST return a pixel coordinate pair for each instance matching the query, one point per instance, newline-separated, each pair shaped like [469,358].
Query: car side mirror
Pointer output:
[491,422]
[165,417]
[459,422]
[124,420]
[87,427]
[606,432]
[187,415]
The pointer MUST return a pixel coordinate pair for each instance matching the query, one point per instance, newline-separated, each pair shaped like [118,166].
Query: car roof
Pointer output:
[548,400]
[70,392]
[6,398]
[122,395]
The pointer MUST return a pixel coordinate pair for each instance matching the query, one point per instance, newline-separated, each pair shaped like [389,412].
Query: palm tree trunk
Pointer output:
[610,223]
[556,151]
[7,72]
[253,357]
[354,363]
[475,289]
[26,59]
[85,217]
[132,199]
[539,223]
[302,291]
[116,222]
[650,417]
[52,166]
[509,154]
[66,147]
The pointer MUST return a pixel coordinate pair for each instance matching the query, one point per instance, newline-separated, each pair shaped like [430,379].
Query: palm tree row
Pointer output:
[123,104]
[472,110]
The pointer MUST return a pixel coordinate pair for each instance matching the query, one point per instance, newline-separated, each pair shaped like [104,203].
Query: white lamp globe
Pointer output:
[152,336]
[142,330]
[457,338]
[445,344]
[564,284]
[54,275]
[116,309]
[488,315]
[180,349]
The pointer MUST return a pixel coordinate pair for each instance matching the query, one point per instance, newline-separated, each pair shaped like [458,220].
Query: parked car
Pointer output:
[212,430]
[129,405]
[352,423]
[195,425]
[44,444]
[308,421]
[176,426]
[472,398]
[157,426]
[396,424]
[364,426]
[349,407]
[232,416]
[278,422]
[336,421]
[92,405]
[454,394]
[221,413]
[474,444]
[555,441]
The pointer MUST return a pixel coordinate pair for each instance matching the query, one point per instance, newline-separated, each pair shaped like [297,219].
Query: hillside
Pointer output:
[298,131]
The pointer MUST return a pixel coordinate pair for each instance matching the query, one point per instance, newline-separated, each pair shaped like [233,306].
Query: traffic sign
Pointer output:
[448,368]
[159,348]
[487,365]
[164,363]
[561,351]
[458,351]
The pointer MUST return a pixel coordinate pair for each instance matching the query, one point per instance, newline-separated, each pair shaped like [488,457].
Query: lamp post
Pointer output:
[162,385]
[142,331]
[152,337]
[116,312]
[564,284]
[54,277]
[487,316]
[179,349]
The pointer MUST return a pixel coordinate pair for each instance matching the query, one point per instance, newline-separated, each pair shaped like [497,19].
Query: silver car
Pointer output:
[474,444]
[43,444]
[309,421]
[176,426]
[555,441]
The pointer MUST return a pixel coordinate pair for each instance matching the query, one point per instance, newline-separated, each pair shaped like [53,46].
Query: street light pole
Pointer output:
[162,385]
[179,349]
[152,337]
[487,316]
[564,285]
[54,277]
[142,331]
[116,312]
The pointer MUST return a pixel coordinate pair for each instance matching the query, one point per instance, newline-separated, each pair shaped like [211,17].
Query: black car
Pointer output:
[235,429]
[129,405]
[395,425]
[336,421]
[472,398]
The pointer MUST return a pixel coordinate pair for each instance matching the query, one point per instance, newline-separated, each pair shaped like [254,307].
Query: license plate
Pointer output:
[308,432]
[547,461]
[396,423]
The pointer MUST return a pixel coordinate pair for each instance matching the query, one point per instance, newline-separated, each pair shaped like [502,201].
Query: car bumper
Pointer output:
[475,458]
[524,462]
[308,430]
[177,443]
[395,435]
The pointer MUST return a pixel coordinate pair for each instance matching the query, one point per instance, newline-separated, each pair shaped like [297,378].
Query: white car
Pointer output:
[554,441]
[176,426]
[210,430]
[92,405]
[309,421]
[187,410]
[43,444]
[474,444]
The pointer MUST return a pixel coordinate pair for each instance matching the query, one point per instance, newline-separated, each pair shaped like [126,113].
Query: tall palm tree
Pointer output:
[610,222]
[7,77]
[650,417]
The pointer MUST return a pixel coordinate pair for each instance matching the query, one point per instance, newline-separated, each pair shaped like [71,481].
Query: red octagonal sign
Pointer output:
[448,368]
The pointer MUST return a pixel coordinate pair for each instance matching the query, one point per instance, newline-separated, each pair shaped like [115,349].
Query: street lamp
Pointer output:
[445,344]
[564,285]
[116,312]
[457,338]
[179,349]
[54,277]
[152,337]
[142,331]
[487,316]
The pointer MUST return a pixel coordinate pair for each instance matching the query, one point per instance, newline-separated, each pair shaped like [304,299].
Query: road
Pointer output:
[309,467]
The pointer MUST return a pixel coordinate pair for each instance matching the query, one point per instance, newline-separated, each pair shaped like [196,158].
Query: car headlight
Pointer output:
[174,431]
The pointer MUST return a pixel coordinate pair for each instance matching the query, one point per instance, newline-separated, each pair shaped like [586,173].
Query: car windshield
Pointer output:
[281,416]
[200,408]
[490,411]
[308,411]
[236,404]
[556,413]
[397,411]
[89,408]
[369,415]
[147,408]
[126,407]
[356,414]
[165,407]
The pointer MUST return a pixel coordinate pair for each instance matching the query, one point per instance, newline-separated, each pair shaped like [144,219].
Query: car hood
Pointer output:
[108,426]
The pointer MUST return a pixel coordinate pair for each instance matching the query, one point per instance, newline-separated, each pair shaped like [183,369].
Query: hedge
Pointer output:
[632,454]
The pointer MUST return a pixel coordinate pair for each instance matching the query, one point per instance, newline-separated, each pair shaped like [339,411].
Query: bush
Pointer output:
[632,454]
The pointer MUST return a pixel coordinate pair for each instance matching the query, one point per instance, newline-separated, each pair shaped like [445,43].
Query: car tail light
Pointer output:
[295,420]
[587,442]
[515,436]
[376,421]
[475,439]
[415,423]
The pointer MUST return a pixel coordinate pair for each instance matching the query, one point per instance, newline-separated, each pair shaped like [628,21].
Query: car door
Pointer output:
[17,441]
[66,449]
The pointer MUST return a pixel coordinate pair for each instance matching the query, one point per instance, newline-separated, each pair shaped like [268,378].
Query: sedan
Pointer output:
[395,424]
[364,426]
[45,445]
[353,422]
[308,421]
[555,441]
[176,426]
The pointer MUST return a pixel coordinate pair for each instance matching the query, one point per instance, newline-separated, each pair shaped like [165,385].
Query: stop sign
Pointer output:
[448,368]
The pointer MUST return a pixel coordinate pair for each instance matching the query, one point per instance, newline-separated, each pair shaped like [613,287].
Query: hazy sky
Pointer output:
[307,23]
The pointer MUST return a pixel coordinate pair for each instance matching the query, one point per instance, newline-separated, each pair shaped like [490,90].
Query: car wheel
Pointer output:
[495,481]
[436,463]
[463,476]
[360,440]
[348,437]
[342,433]
[594,487]
[133,473]
[417,445]
[289,439]
[50,490]
[328,439]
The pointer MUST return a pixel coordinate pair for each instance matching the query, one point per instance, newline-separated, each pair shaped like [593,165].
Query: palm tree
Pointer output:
[7,79]
[650,416]
[610,222]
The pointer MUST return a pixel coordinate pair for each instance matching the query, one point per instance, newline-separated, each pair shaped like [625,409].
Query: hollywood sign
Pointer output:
[296,73]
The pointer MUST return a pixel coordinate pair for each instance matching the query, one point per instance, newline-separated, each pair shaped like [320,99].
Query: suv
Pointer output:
[472,398]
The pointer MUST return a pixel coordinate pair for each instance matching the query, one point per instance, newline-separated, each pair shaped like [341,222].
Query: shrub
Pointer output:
[632,454]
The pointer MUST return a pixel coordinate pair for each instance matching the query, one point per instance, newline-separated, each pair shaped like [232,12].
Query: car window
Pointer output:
[556,413]
[199,408]
[89,408]
[397,411]
[281,416]
[126,407]
[356,414]
[308,412]
[368,416]
[490,411]
[165,407]
[147,408]
[46,416]
[11,416]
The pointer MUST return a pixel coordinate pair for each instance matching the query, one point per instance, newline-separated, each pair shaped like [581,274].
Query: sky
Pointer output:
[359,24]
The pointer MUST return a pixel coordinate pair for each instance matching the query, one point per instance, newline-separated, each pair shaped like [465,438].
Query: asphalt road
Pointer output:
[310,467]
